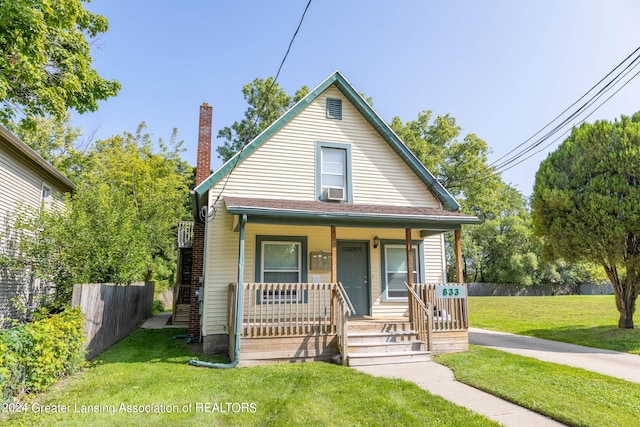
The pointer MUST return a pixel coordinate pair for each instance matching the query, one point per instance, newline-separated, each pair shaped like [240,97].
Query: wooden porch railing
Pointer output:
[185,234]
[450,312]
[343,309]
[288,309]
[420,316]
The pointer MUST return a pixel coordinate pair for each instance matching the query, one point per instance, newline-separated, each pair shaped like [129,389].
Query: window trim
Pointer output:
[348,170]
[259,273]
[419,245]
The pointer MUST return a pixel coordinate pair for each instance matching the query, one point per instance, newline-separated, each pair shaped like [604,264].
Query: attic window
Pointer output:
[334,108]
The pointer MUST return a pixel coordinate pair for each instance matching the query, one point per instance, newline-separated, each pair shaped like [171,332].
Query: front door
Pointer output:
[353,273]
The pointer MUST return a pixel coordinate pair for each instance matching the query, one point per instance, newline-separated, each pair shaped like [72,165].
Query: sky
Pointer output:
[503,69]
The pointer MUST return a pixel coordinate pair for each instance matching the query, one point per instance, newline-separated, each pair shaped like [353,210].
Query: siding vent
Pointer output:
[334,108]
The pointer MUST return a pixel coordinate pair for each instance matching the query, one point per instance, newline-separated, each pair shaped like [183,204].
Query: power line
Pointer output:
[608,86]
[211,217]
[497,167]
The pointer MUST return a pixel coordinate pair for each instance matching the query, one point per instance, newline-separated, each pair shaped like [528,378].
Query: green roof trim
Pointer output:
[337,79]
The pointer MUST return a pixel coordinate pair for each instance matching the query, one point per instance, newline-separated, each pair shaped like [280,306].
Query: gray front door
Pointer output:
[353,273]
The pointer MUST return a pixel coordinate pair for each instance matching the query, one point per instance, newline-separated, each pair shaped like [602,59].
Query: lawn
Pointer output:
[578,319]
[572,396]
[145,380]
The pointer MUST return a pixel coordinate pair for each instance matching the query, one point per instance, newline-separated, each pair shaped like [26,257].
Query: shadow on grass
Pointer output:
[155,346]
[598,337]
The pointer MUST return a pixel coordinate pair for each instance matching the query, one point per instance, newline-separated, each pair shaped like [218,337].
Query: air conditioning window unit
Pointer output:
[334,194]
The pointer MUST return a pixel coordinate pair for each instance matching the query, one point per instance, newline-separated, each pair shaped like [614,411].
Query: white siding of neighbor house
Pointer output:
[284,168]
[21,184]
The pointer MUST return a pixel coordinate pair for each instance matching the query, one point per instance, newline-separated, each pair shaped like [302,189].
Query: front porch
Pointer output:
[298,322]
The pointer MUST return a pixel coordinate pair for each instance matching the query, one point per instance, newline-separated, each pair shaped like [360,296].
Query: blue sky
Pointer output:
[503,69]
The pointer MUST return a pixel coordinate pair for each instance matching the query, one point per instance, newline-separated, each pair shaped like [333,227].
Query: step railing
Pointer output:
[343,309]
[420,316]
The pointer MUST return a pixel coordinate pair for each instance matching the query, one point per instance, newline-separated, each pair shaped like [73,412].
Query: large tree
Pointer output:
[45,62]
[586,203]
[266,102]
[120,224]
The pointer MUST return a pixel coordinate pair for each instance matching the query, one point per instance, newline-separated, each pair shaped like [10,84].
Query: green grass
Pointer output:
[572,396]
[577,319]
[148,368]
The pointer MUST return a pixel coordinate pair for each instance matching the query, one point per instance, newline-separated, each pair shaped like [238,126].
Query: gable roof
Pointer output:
[370,115]
[34,159]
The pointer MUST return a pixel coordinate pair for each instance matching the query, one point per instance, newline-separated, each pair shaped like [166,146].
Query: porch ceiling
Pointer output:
[296,212]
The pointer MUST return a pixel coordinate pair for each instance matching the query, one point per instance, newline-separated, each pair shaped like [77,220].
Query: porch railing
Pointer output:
[290,309]
[420,316]
[449,305]
[185,234]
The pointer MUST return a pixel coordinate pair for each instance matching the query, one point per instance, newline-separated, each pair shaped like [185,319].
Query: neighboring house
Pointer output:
[26,179]
[309,234]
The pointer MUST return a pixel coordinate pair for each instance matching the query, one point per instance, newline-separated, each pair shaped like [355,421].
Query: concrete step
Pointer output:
[385,347]
[363,359]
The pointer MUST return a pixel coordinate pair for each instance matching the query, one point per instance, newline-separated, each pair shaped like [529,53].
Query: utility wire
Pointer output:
[497,167]
[568,108]
[211,216]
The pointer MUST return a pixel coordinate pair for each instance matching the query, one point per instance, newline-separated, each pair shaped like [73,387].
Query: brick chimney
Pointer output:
[203,165]
[203,170]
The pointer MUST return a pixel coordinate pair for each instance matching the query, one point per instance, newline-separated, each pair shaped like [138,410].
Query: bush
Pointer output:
[35,355]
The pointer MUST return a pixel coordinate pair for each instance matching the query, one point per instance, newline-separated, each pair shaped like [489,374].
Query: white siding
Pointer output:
[284,167]
[222,262]
[21,183]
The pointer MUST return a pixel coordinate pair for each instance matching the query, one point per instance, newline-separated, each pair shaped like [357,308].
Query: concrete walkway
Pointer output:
[438,379]
[612,363]
[159,321]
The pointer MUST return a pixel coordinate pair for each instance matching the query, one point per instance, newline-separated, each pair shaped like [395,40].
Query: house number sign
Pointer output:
[451,291]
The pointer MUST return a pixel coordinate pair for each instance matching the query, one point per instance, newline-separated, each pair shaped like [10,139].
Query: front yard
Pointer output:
[145,380]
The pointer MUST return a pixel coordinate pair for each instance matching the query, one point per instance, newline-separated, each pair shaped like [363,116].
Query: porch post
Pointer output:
[458,249]
[409,255]
[334,261]
[240,291]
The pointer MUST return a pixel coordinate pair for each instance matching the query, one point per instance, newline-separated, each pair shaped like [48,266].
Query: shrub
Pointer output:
[35,355]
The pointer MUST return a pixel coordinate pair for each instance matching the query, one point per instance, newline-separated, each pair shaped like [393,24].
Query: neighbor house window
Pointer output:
[394,266]
[281,261]
[333,171]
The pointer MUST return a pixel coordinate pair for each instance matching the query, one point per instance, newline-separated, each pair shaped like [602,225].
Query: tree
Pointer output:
[120,224]
[461,167]
[45,65]
[267,102]
[586,204]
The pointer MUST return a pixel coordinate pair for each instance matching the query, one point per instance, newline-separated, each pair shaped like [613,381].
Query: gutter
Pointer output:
[239,304]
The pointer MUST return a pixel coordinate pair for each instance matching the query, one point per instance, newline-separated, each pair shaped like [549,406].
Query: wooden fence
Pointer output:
[111,311]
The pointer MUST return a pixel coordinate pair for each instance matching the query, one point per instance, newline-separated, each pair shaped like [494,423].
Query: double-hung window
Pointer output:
[281,261]
[333,171]
[395,270]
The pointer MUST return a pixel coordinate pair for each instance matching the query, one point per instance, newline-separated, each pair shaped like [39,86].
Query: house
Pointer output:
[304,240]
[25,179]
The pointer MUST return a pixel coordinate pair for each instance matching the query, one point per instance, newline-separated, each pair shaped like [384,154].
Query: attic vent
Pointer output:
[334,108]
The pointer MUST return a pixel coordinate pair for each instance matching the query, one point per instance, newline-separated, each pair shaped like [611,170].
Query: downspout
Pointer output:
[239,304]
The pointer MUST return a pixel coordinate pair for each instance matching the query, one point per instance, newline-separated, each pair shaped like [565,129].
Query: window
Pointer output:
[334,167]
[281,260]
[334,108]
[394,267]
[333,171]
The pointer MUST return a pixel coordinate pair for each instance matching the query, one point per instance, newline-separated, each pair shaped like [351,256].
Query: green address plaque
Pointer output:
[451,291]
